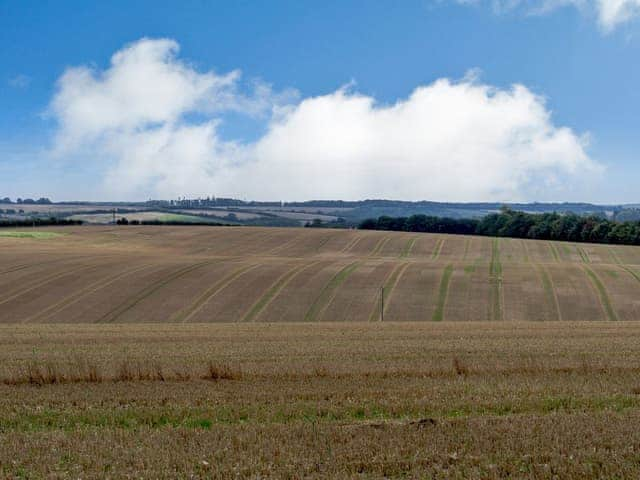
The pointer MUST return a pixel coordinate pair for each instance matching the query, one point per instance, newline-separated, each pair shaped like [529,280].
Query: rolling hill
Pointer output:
[246,274]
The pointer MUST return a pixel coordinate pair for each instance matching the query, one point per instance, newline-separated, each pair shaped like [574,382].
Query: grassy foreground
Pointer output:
[429,400]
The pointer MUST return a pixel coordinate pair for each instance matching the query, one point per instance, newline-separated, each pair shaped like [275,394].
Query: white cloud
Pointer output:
[446,141]
[145,85]
[609,14]
[612,13]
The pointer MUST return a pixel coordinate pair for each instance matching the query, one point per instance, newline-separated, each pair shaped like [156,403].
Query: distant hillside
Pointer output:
[277,213]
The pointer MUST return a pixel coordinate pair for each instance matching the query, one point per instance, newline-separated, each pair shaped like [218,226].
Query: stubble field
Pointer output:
[158,352]
[349,400]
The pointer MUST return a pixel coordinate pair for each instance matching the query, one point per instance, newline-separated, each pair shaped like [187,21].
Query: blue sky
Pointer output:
[581,65]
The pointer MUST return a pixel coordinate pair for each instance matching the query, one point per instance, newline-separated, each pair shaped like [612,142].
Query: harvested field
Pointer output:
[331,400]
[234,352]
[160,274]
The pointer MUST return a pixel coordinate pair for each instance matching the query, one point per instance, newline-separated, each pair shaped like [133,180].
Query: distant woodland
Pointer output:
[510,223]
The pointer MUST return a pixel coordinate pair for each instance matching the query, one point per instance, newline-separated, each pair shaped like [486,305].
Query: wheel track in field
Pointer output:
[584,256]
[379,246]
[527,255]
[496,306]
[388,288]
[632,272]
[605,302]
[37,284]
[437,249]
[328,292]
[17,268]
[88,290]
[205,250]
[251,238]
[467,243]
[127,305]
[285,245]
[205,297]
[614,255]
[24,266]
[274,290]
[406,251]
[323,242]
[292,241]
[549,289]
[554,251]
[443,294]
[347,248]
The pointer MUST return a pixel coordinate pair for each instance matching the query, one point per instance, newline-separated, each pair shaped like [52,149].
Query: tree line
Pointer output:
[38,222]
[27,201]
[510,223]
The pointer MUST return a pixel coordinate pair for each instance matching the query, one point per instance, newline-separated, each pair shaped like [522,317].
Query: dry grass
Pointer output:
[434,400]
[153,399]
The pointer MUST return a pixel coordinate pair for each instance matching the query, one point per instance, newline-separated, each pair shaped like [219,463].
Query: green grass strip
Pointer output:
[201,418]
[406,251]
[554,251]
[614,255]
[379,246]
[526,251]
[36,235]
[178,217]
[632,272]
[190,311]
[328,291]
[583,255]
[438,313]
[124,307]
[604,296]
[549,290]
[495,280]
[273,291]
[466,249]
[437,249]
[323,242]
[387,290]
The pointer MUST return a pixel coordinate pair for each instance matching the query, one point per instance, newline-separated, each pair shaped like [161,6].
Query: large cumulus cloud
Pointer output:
[153,120]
